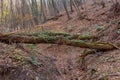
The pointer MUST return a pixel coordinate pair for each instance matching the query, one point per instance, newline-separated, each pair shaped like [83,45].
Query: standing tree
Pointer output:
[42,16]
[65,7]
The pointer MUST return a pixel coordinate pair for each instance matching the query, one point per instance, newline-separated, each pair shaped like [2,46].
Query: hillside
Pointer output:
[19,61]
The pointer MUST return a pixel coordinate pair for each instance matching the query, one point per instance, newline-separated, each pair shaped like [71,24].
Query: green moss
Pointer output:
[56,33]
[87,34]
[96,44]
[36,38]
[35,61]
[49,38]
[80,60]
[32,46]
[98,28]
[79,41]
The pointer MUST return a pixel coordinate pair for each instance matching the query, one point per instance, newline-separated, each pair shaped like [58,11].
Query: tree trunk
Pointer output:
[65,7]
[71,4]
[48,39]
[42,11]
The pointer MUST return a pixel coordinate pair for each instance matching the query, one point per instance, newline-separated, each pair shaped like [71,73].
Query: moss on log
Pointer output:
[62,34]
[57,39]
[87,52]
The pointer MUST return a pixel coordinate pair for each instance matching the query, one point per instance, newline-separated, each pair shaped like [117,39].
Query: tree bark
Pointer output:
[54,39]
[65,7]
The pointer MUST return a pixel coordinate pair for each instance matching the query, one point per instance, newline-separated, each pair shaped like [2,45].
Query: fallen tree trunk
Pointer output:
[17,38]
[62,34]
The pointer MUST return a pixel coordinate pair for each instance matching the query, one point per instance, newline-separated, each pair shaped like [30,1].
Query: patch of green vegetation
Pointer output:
[18,58]
[49,34]
[32,33]
[35,61]
[48,38]
[79,41]
[56,33]
[99,28]
[79,60]
[96,44]
[87,34]
[32,46]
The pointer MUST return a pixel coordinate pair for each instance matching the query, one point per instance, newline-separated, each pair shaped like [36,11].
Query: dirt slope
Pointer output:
[60,62]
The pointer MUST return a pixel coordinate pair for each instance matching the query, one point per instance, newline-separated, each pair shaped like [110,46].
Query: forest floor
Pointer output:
[61,62]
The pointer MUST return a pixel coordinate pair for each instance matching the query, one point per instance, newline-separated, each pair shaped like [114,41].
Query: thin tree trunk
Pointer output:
[71,4]
[65,7]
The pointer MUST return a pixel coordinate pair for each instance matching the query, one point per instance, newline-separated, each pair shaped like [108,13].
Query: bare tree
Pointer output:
[65,7]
